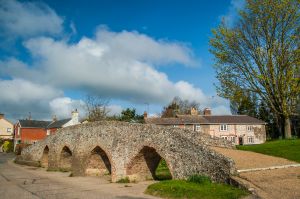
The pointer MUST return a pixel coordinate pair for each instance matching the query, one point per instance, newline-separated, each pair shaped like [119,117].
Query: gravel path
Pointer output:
[251,160]
[269,184]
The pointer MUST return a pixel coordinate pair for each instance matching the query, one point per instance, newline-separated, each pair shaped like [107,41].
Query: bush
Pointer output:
[199,179]
[124,180]
[8,146]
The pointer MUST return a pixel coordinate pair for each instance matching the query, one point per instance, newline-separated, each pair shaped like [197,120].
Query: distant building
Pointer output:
[240,129]
[29,131]
[6,128]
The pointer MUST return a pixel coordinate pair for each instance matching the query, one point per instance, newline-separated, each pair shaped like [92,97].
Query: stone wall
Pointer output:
[132,150]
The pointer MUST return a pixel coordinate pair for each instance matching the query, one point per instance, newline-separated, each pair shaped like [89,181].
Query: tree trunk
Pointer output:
[287,128]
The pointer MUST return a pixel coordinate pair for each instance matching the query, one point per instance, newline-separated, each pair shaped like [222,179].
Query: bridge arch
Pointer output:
[45,157]
[98,162]
[65,159]
[144,164]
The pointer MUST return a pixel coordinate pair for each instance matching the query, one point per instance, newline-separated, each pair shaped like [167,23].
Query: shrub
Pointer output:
[199,179]
[8,146]
[124,180]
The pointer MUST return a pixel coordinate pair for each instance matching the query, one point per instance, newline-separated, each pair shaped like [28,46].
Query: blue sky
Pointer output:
[133,52]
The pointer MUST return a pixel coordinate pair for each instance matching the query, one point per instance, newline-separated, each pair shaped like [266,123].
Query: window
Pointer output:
[175,126]
[197,127]
[224,137]
[232,139]
[223,127]
[18,130]
[8,130]
[249,128]
[250,139]
[48,132]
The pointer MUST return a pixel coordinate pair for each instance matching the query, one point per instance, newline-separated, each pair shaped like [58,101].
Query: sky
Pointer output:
[135,53]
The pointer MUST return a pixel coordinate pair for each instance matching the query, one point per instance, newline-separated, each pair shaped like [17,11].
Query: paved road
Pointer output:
[22,182]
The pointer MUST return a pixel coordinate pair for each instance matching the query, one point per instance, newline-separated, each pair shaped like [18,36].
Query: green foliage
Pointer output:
[130,115]
[124,180]
[185,189]
[289,149]
[260,55]
[162,172]
[8,146]
[200,179]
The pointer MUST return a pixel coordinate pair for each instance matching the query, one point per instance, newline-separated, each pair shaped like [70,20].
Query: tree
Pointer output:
[260,54]
[96,108]
[245,104]
[179,106]
[130,115]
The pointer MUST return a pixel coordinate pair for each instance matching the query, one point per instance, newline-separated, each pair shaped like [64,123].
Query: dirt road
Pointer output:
[26,182]
[268,183]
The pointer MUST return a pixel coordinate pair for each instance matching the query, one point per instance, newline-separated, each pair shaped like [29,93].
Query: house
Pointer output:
[29,131]
[57,124]
[6,128]
[240,129]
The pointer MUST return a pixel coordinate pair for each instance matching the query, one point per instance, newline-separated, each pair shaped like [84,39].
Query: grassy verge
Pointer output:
[189,189]
[162,172]
[289,149]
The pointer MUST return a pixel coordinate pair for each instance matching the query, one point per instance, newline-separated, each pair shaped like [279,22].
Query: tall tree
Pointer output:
[96,108]
[260,54]
[130,115]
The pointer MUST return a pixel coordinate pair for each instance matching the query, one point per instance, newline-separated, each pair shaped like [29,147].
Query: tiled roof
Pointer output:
[201,119]
[34,123]
[59,123]
[233,119]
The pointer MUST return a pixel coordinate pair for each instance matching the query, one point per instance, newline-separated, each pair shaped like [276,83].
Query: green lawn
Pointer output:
[289,149]
[185,189]
[162,172]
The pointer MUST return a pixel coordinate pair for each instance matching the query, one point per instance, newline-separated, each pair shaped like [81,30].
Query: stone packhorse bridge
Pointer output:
[130,150]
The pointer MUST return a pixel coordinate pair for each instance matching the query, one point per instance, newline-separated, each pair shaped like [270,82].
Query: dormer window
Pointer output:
[223,127]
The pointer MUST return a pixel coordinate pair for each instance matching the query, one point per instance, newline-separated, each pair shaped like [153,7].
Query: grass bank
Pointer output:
[204,189]
[288,149]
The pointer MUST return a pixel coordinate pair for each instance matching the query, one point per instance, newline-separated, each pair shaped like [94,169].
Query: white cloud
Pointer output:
[114,110]
[24,19]
[18,97]
[63,106]
[115,65]
[232,15]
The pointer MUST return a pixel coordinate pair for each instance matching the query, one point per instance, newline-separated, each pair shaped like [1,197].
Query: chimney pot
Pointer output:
[145,115]
[207,111]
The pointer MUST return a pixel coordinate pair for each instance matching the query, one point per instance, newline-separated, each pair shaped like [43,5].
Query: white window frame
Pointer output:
[197,127]
[250,139]
[224,137]
[48,131]
[9,130]
[175,126]
[249,128]
[223,127]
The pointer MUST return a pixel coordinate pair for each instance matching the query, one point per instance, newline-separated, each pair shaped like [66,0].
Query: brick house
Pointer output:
[6,128]
[29,131]
[240,129]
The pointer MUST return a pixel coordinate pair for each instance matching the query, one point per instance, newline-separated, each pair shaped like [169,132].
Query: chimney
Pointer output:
[207,111]
[194,111]
[1,116]
[145,115]
[75,117]
[54,118]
